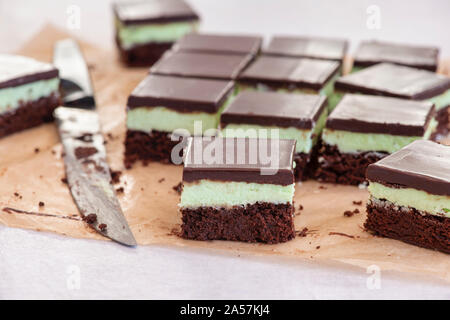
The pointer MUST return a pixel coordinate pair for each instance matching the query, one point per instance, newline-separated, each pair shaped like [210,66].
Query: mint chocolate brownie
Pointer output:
[219,43]
[146,29]
[390,80]
[231,191]
[300,117]
[410,196]
[364,129]
[162,105]
[307,47]
[373,52]
[300,75]
[201,65]
[29,92]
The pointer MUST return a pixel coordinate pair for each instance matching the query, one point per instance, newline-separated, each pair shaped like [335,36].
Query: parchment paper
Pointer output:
[31,170]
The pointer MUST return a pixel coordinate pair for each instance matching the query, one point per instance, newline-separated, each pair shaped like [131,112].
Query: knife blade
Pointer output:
[87,170]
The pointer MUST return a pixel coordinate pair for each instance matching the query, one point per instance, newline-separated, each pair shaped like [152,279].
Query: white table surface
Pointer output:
[47,266]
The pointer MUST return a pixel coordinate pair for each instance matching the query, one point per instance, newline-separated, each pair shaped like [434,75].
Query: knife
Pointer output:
[87,170]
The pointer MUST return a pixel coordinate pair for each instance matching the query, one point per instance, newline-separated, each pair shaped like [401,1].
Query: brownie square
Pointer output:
[364,129]
[147,29]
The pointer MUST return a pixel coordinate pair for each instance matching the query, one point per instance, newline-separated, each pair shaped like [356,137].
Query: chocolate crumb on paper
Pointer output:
[90,218]
[302,233]
[178,188]
[115,176]
[41,204]
[357,203]
[84,152]
[102,227]
[341,234]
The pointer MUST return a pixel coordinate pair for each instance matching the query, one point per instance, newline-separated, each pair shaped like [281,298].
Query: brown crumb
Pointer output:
[16,194]
[84,152]
[161,180]
[41,204]
[322,187]
[36,150]
[341,234]
[120,190]
[302,233]
[348,213]
[102,227]
[358,203]
[300,207]
[178,188]
[115,176]
[356,211]
[90,218]
[318,247]
[64,180]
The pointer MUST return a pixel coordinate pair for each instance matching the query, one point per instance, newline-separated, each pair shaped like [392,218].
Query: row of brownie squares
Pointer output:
[146,29]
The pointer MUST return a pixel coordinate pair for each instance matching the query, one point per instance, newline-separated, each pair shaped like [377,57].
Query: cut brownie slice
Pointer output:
[307,47]
[29,92]
[392,80]
[373,52]
[300,117]
[219,43]
[162,105]
[201,65]
[238,189]
[410,196]
[363,129]
[146,29]
[299,75]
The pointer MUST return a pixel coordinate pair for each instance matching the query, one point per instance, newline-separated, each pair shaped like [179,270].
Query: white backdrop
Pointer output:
[40,265]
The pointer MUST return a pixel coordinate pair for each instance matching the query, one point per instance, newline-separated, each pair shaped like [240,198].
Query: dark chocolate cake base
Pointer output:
[28,115]
[344,168]
[143,55]
[443,128]
[259,222]
[306,164]
[154,146]
[408,225]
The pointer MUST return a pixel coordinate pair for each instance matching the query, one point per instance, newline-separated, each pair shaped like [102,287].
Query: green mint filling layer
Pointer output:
[131,35]
[327,90]
[10,98]
[442,100]
[306,139]
[356,69]
[408,197]
[167,120]
[207,193]
[354,142]
[333,96]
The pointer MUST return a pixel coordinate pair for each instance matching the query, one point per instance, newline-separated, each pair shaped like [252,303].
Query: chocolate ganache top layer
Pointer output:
[286,71]
[307,47]
[201,65]
[375,114]
[422,165]
[219,43]
[153,11]
[274,109]
[180,94]
[262,161]
[373,52]
[392,80]
[17,70]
